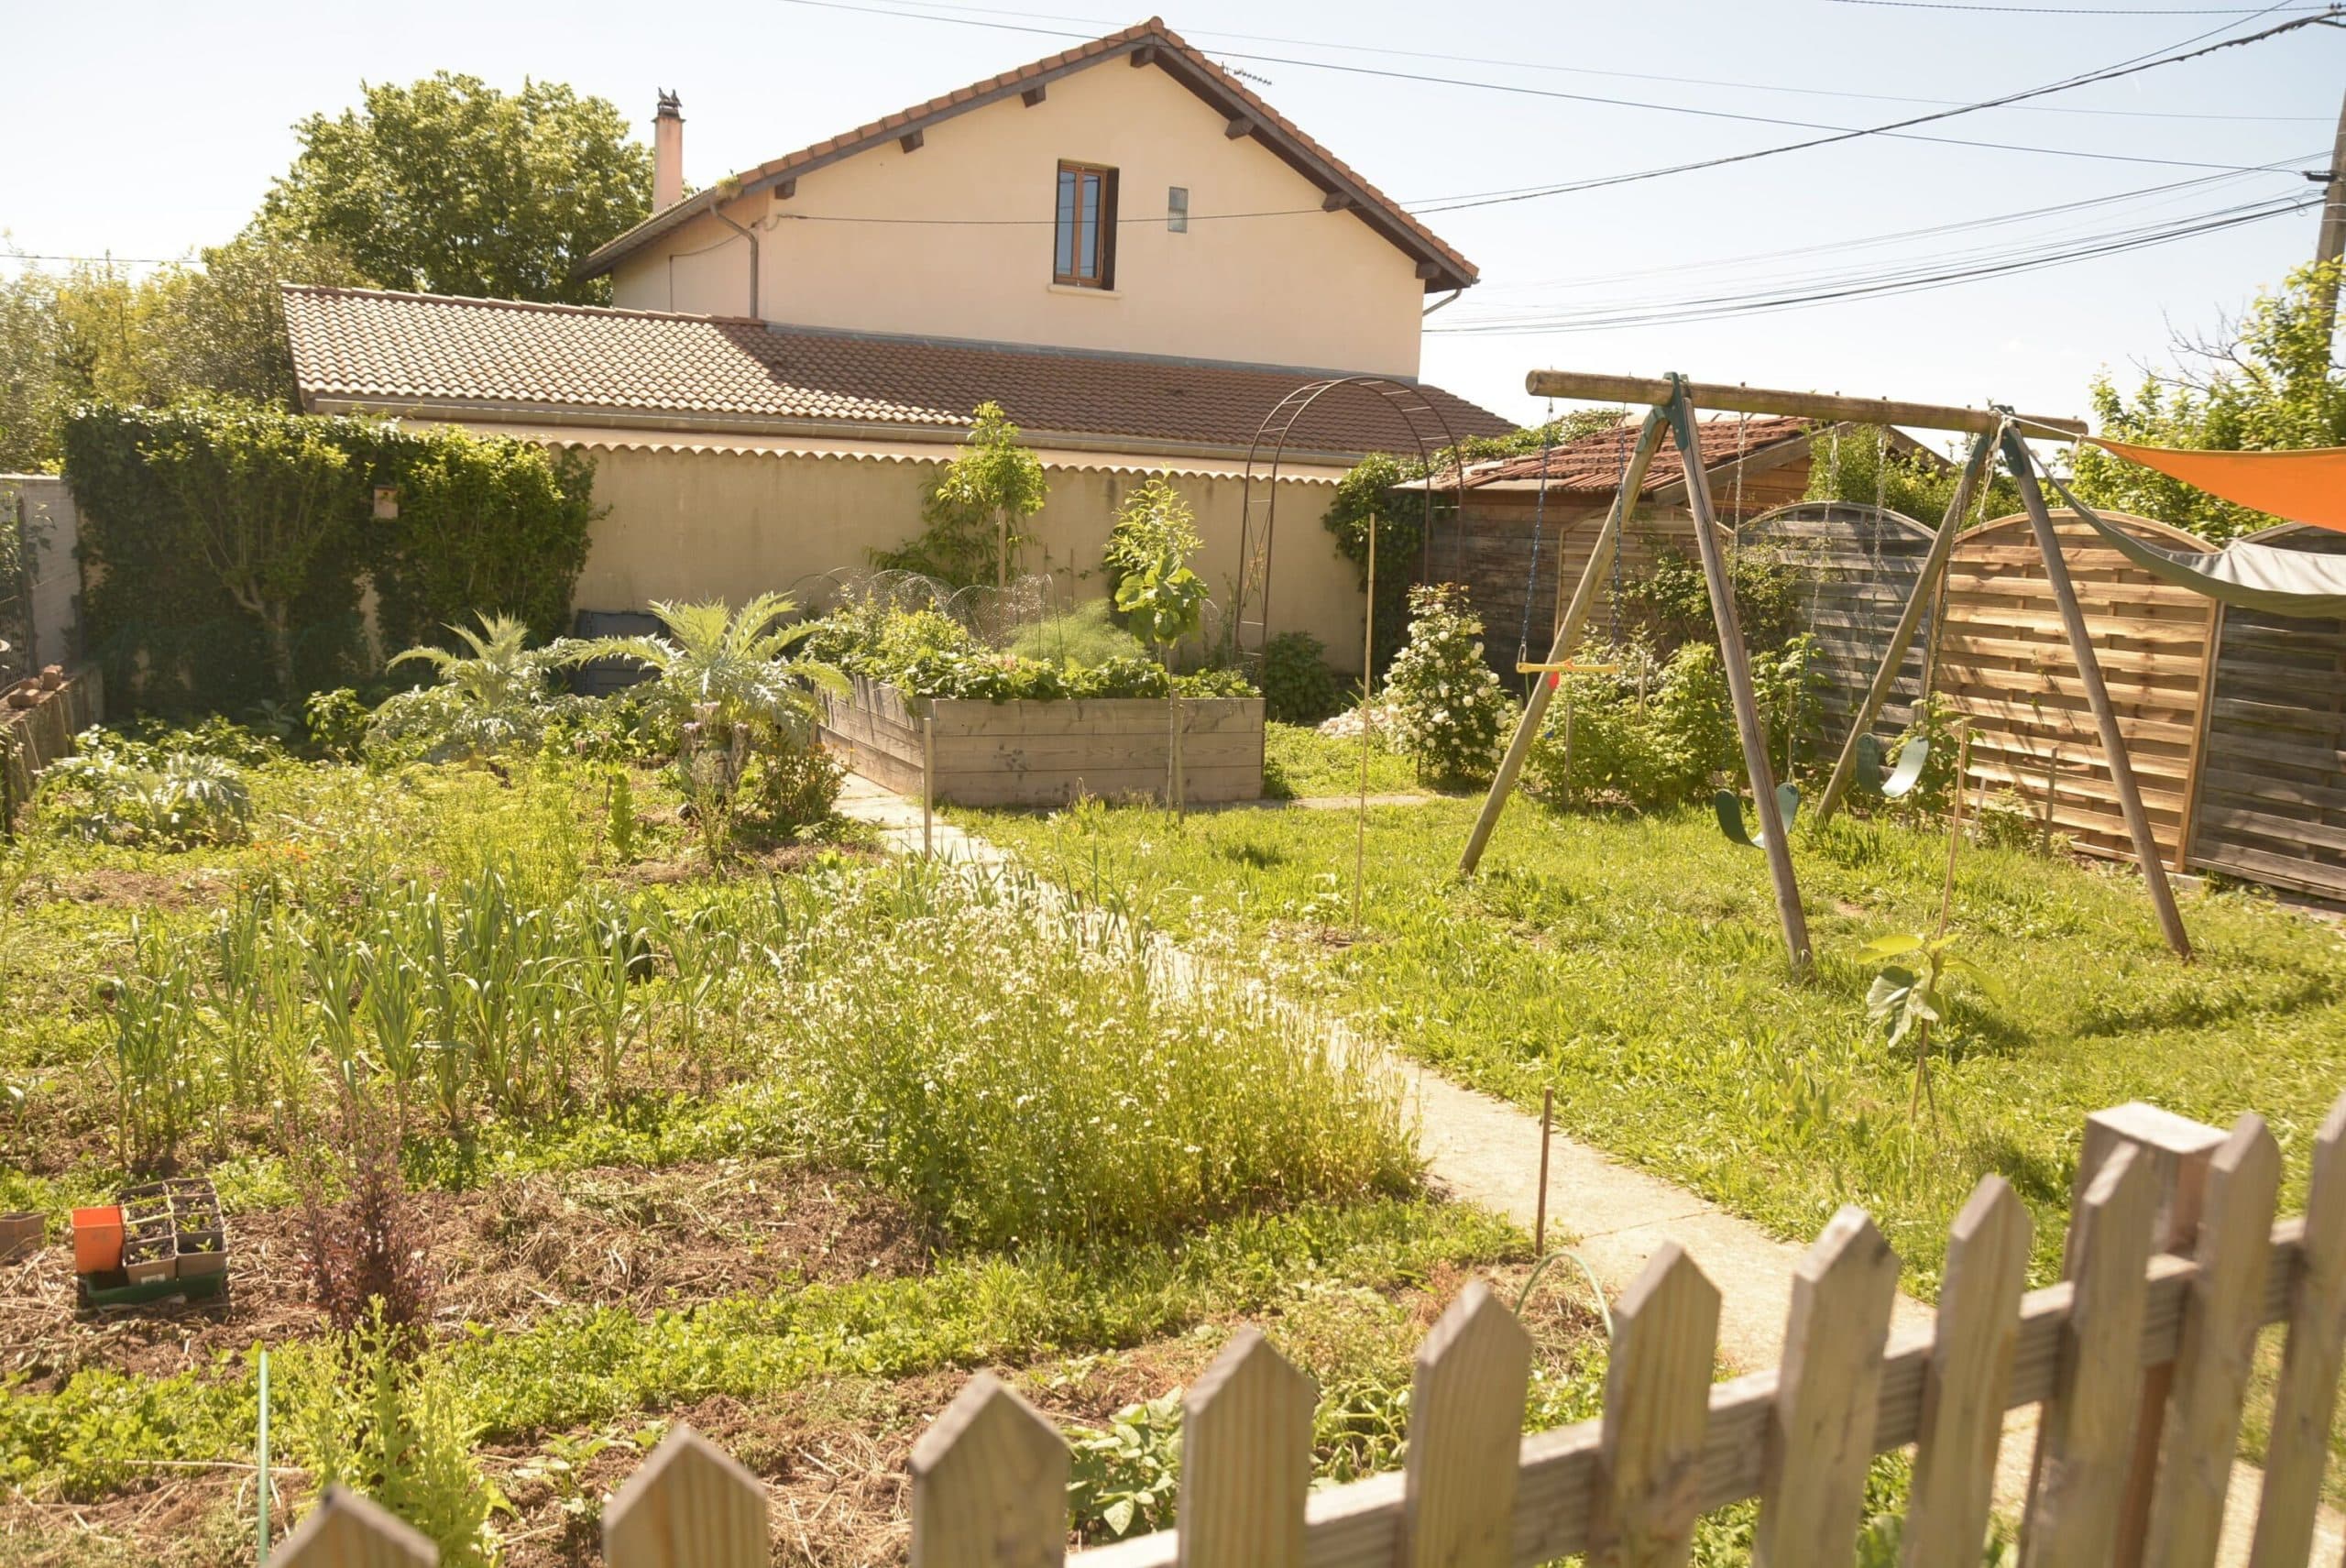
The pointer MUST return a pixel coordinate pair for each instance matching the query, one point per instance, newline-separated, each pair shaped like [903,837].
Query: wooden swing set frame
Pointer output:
[1671,403]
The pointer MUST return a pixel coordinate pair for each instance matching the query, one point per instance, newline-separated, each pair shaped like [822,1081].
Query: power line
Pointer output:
[1868,242]
[126,261]
[1547,66]
[1898,130]
[2066,10]
[1901,282]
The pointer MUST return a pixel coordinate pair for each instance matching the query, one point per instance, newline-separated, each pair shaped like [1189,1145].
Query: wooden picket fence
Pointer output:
[2140,1360]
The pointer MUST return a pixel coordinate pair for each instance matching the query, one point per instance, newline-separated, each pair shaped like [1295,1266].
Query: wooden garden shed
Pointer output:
[2271,803]
[1513,539]
[2004,662]
[1858,564]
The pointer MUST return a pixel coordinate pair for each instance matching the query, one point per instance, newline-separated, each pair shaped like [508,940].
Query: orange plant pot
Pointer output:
[97,1240]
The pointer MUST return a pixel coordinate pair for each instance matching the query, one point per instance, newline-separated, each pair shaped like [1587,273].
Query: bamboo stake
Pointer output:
[2105,717]
[1738,680]
[1535,708]
[1910,622]
[1367,732]
[928,780]
[1539,1221]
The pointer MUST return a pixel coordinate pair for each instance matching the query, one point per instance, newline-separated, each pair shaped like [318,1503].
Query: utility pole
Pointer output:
[2330,246]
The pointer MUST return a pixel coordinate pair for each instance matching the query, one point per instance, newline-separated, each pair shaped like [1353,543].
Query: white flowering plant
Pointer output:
[1449,710]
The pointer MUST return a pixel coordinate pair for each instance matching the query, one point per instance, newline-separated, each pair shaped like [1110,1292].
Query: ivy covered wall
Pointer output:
[227,548]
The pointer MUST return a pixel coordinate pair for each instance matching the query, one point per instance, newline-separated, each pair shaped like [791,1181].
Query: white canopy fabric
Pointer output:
[2249,577]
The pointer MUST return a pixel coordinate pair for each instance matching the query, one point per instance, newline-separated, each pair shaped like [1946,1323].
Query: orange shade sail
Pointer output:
[2297,486]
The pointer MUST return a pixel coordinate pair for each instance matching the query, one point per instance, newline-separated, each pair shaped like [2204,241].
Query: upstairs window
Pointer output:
[1084,255]
[1177,208]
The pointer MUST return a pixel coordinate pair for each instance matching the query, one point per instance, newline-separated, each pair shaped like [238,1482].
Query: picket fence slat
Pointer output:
[1827,1392]
[346,1531]
[989,1484]
[1465,1421]
[2085,1444]
[2212,1364]
[1966,1390]
[2298,1450]
[1657,1409]
[990,1476]
[1246,1459]
[688,1506]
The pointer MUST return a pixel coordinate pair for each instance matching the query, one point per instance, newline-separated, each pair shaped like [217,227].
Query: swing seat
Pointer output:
[1730,805]
[1912,757]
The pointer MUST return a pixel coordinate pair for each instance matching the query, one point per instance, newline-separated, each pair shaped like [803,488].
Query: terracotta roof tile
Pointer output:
[415,353]
[1196,71]
[1596,462]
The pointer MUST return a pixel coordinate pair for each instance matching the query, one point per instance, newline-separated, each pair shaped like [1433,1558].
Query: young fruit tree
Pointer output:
[1148,550]
[994,476]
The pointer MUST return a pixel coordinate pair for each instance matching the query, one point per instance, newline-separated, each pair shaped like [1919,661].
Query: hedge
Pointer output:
[226,547]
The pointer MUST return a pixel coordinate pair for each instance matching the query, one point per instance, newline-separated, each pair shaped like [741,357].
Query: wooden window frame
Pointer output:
[1105,240]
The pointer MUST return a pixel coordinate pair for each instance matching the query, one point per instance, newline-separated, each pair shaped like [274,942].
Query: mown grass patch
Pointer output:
[1634,965]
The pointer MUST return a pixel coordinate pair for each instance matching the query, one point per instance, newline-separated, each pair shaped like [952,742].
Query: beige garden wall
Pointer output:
[715,524]
[1303,288]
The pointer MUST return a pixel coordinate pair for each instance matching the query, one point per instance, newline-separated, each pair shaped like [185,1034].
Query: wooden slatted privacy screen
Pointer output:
[2174,1264]
[2005,664]
[2271,797]
[1857,566]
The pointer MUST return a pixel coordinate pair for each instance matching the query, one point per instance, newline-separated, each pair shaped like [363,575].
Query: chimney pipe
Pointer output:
[667,152]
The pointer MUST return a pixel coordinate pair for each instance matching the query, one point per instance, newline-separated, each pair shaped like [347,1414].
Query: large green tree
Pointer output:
[2265,384]
[453,187]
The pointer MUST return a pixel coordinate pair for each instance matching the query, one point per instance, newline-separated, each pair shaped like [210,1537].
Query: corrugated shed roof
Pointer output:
[433,355]
[1172,53]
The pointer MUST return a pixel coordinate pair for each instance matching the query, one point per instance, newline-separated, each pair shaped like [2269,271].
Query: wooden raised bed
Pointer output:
[1049,753]
[39,716]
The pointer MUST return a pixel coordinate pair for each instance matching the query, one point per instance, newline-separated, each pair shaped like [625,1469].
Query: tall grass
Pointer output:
[1008,1066]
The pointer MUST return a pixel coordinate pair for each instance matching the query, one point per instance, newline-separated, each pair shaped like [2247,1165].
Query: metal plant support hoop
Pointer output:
[1428,428]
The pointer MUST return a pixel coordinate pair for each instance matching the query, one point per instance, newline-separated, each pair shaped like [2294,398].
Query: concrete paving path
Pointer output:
[1486,1150]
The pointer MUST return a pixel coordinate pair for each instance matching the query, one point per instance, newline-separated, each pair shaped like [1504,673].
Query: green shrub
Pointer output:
[1656,734]
[790,788]
[335,723]
[497,698]
[359,1413]
[1601,742]
[1122,1477]
[1084,635]
[1447,705]
[925,652]
[1672,603]
[1297,685]
[114,793]
[226,541]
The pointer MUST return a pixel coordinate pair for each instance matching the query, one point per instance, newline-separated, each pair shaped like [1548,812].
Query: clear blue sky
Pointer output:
[149,128]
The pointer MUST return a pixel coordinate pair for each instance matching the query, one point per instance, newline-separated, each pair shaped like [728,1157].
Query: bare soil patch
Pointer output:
[499,1256]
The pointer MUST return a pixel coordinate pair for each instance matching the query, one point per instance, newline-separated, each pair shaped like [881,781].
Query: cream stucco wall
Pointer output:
[1315,290]
[712,524]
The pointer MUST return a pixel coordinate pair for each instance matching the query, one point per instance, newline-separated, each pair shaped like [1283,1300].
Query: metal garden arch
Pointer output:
[1425,423]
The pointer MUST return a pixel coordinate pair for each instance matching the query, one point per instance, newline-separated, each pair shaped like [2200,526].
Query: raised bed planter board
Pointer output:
[1049,753]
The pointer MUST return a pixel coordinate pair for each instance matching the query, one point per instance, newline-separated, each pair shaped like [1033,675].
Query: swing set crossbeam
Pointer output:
[1823,406]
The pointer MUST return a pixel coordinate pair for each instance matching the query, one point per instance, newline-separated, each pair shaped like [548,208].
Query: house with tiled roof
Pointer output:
[1121,244]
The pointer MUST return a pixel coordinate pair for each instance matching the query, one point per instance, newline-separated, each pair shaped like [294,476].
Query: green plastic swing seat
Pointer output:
[1730,805]
[1912,757]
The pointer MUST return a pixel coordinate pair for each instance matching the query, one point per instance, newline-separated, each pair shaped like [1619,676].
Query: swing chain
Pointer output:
[1539,526]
